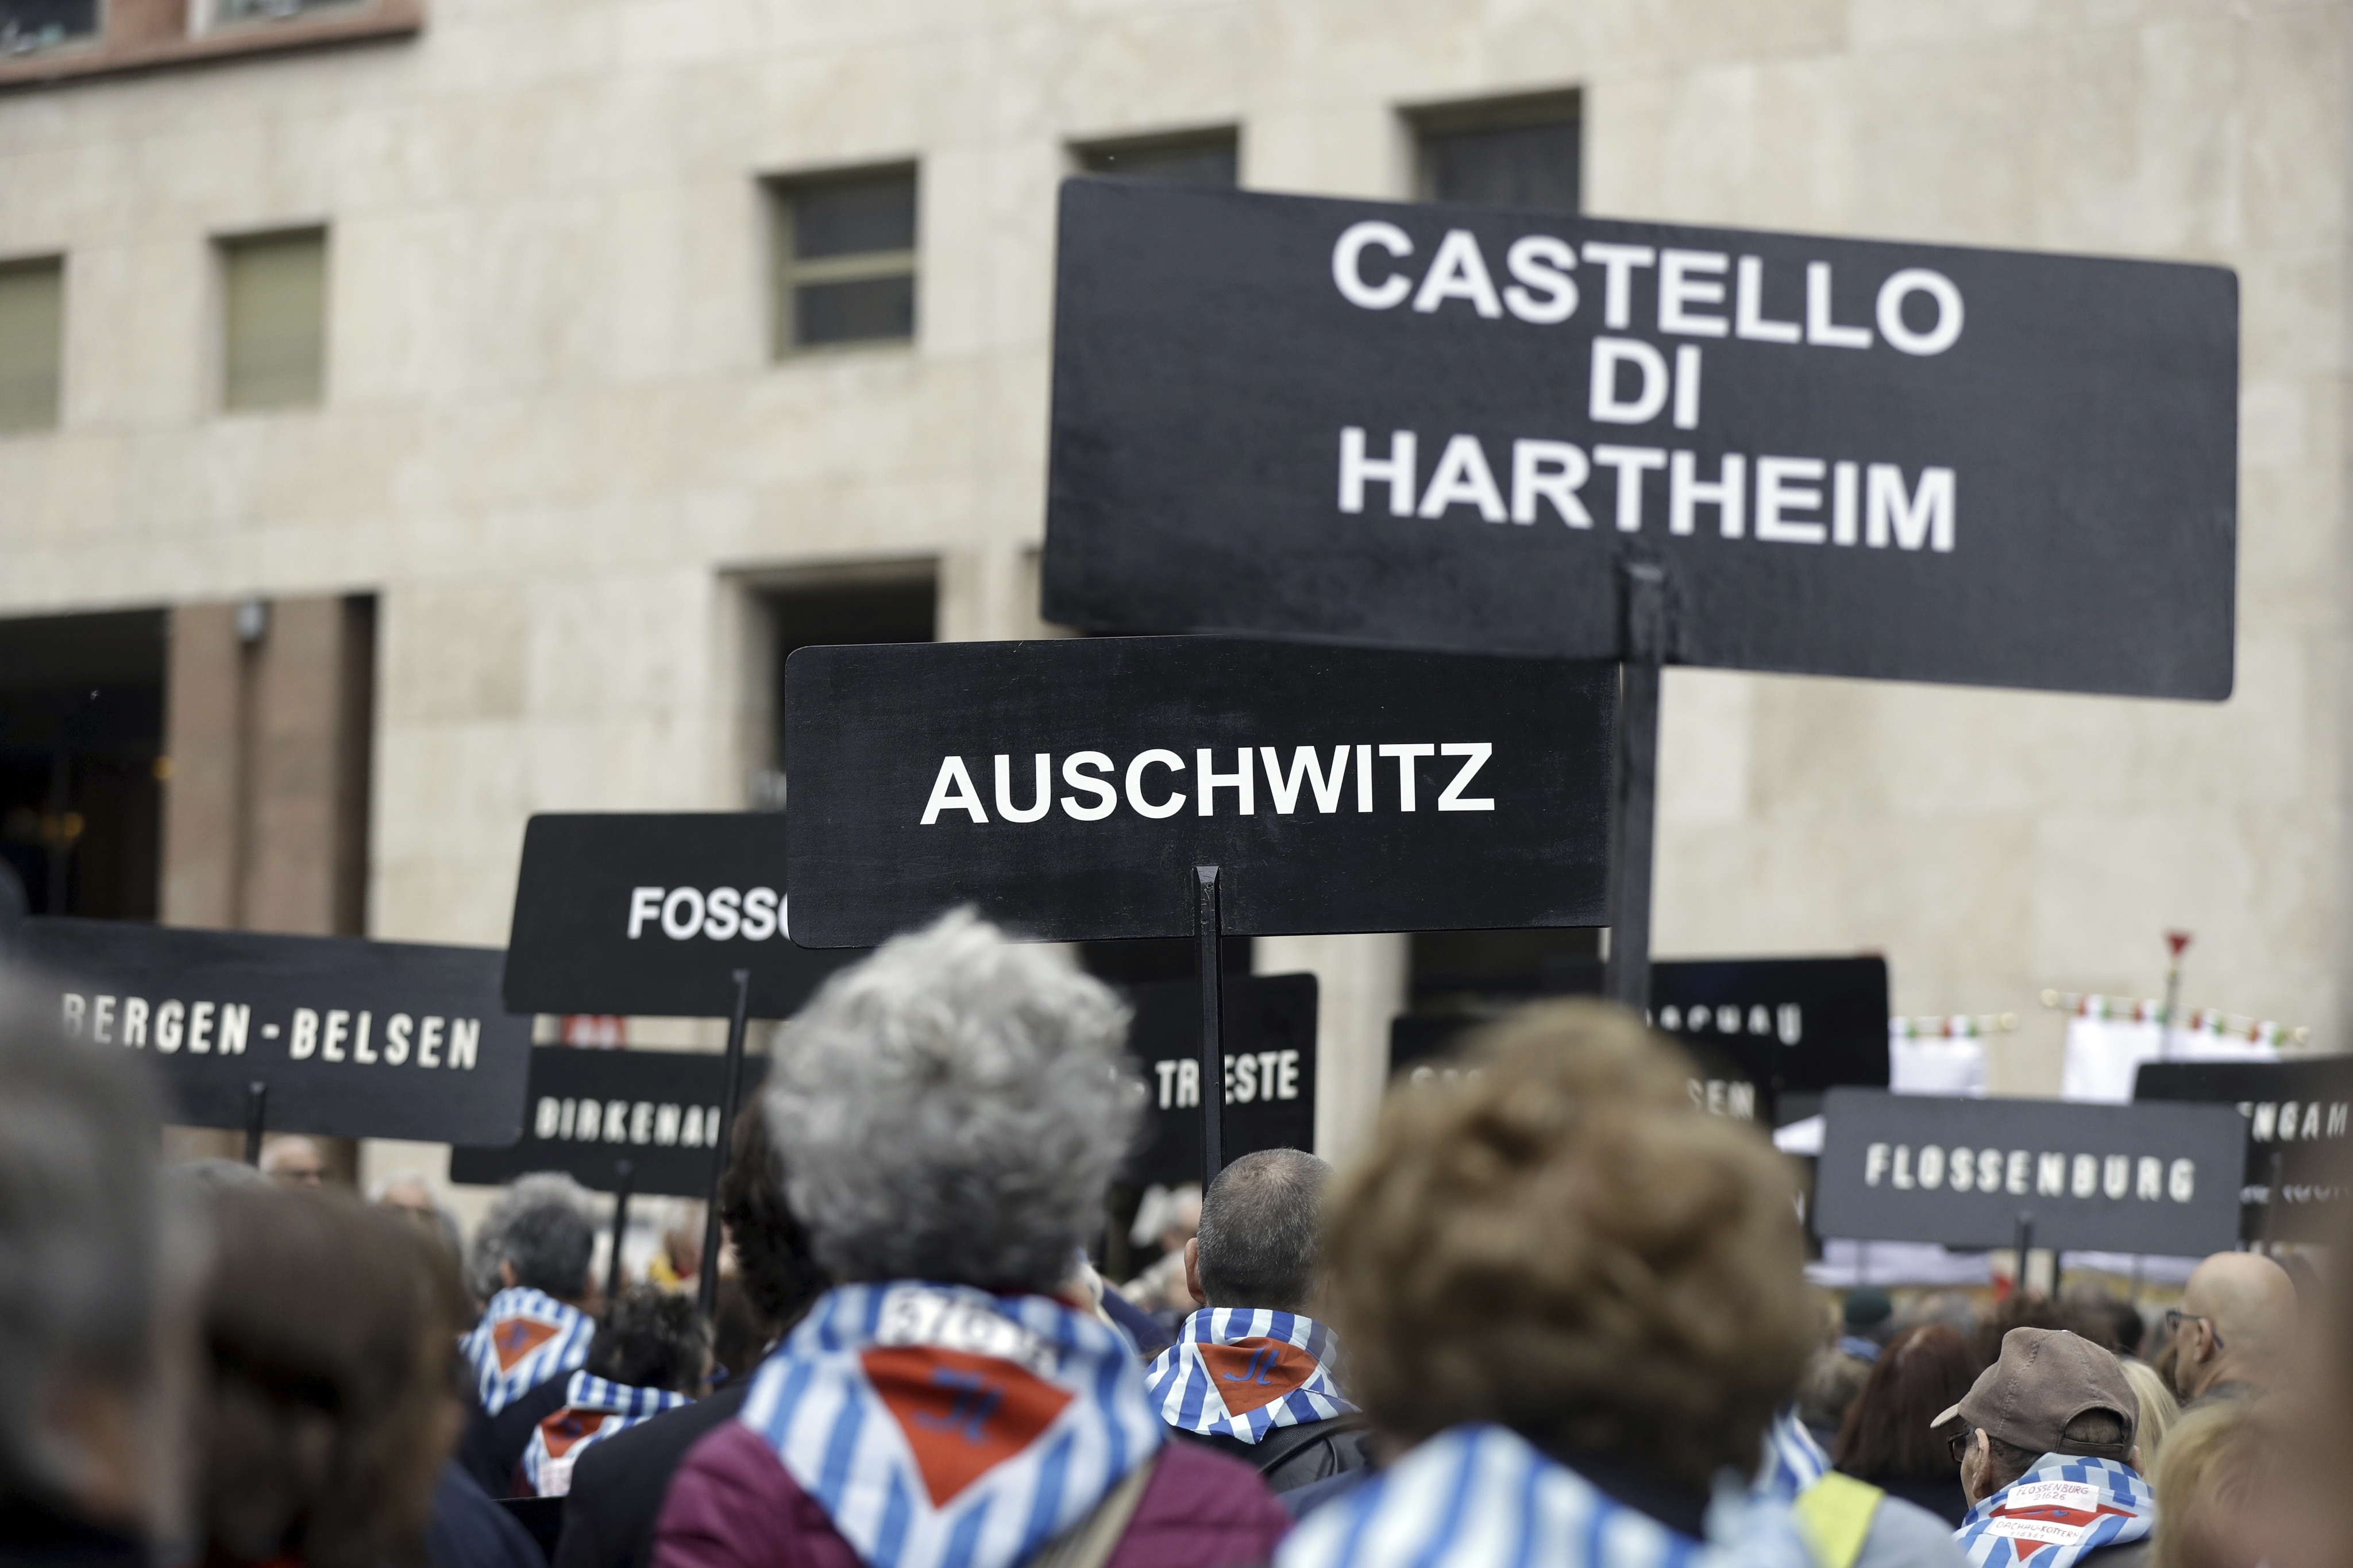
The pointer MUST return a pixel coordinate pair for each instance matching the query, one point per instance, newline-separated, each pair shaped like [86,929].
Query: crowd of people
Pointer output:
[1554,1316]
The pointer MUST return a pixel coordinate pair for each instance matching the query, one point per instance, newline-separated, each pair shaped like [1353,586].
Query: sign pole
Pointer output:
[707,1290]
[256,1109]
[1206,931]
[2274,1198]
[1635,817]
[622,1171]
[2025,1243]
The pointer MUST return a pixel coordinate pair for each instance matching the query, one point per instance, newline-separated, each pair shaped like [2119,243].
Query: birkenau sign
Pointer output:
[352,1038]
[1270,1072]
[1446,427]
[2148,1178]
[1068,787]
[652,913]
[588,1109]
[2298,1113]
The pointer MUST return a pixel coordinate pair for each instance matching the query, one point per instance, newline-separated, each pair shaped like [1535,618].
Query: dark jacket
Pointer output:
[38,1533]
[618,1485]
[734,1505]
[1289,1457]
[492,1450]
[469,1531]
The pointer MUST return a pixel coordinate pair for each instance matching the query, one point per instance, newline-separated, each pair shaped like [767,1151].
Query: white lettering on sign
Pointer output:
[1251,1077]
[1305,779]
[643,1122]
[1783,1021]
[2287,1121]
[338,1036]
[2019,1171]
[718,914]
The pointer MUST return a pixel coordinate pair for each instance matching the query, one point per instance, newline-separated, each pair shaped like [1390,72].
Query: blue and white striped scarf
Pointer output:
[593,1409]
[1481,1497]
[1237,1372]
[942,1426]
[1793,1461]
[2067,1506]
[525,1338]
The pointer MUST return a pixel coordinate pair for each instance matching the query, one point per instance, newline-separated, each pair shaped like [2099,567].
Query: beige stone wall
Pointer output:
[553,444]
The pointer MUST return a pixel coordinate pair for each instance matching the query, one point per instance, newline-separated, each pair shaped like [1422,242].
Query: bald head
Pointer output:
[2238,1322]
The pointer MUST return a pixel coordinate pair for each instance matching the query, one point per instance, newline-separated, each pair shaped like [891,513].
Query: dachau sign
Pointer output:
[1067,788]
[1446,427]
[352,1038]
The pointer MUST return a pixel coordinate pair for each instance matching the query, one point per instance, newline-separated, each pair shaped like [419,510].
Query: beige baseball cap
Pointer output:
[2046,1378]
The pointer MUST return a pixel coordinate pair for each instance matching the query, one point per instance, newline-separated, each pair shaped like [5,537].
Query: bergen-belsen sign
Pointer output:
[2112,1178]
[1269,1071]
[652,913]
[1445,426]
[1067,788]
[587,1109]
[352,1038]
[2298,1113]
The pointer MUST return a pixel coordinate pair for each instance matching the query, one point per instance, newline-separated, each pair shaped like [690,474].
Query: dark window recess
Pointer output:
[1142,962]
[1210,158]
[30,25]
[1519,154]
[845,260]
[81,745]
[896,609]
[1481,971]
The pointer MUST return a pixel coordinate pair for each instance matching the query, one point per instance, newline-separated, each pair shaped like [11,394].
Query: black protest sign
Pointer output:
[1270,1050]
[1067,788]
[587,1109]
[1446,427]
[2294,1113]
[352,1038]
[2109,1178]
[653,914]
[1762,1030]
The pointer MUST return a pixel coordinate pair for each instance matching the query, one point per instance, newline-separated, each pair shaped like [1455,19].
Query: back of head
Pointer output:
[649,1337]
[2159,1410]
[543,1229]
[1262,1231]
[779,1272]
[1922,1373]
[2050,1392]
[83,1276]
[954,1109]
[2252,1303]
[1828,1388]
[1562,1244]
[330,1329]
[2209,1480]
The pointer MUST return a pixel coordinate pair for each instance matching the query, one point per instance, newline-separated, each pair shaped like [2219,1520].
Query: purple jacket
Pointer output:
[734,1505]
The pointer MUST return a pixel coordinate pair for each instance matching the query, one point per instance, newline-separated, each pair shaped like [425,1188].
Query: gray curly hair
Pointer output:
[544,1226]
[954,1109]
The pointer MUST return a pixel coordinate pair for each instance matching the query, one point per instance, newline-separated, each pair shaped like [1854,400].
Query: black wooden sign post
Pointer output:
[1210,941]
[1486,430]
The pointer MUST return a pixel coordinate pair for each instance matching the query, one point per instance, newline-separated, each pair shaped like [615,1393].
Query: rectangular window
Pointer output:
[1513,153]
[32,342]
[845,249]
[272,10]
[1196,158]
[30,25]
[274,320]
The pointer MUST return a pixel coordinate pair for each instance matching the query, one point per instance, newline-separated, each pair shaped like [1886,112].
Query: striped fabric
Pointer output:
[593,1409]
[942,1426]
[2066,1507]
[1481,1497]
[1273,1369]
[1793,1461]
[525,1338]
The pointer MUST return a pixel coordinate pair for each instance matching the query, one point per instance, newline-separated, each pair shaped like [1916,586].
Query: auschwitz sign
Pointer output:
[1067,788]
[1445,425]
[1768,1034]
[2295,1112]
[2111,1178]
[653,914]
[588,1109]
[1270,1089]
[354,1039]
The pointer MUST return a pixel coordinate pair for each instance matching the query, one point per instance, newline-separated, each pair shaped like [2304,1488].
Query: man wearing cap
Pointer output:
[2044,1439]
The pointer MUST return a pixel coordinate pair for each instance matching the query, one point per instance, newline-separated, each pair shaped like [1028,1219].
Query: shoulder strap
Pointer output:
[1834,1515]
[1090,1542]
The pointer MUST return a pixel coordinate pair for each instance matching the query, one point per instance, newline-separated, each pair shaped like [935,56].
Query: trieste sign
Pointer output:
[1445,426]
[1067,788]
[1270,1072]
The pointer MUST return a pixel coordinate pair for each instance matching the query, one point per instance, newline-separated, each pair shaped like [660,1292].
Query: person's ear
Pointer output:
[1193,1272]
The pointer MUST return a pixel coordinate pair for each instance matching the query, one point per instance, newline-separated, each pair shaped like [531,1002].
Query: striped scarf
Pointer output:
[525,1338]
[2065,1508]
[1481,1497]
[1793,1461]
[942,1426]
[593,1411]
[1236,1372]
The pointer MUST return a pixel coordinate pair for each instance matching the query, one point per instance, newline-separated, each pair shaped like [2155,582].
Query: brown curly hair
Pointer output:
[1561,1243]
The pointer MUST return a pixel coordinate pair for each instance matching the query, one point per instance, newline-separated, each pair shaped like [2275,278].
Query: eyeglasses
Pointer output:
[2175,1317]
[1959,1445]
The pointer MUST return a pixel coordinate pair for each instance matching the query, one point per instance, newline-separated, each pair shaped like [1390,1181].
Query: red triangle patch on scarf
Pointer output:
[1255,1372]
[568,1426]
[516,1338]
[962,1413]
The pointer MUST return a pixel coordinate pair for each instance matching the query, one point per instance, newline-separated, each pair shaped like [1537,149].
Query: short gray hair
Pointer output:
[954,1109]
[1263,1231]
[543,1226]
